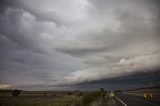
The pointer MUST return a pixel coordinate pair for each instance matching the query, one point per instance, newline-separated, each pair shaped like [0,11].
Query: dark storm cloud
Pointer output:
[50,43]
[124,82]
[130,34]
[23,53]
[40,15]
[134,28]
[7,3]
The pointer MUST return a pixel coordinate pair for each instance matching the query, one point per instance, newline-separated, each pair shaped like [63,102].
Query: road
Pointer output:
[126,100]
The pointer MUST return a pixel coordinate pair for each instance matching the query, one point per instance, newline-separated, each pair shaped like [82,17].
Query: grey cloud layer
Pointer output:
[26,55]
[47,43]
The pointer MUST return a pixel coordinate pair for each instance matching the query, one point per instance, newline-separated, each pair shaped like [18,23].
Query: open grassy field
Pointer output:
[70,98]
[39,98]
[53,98]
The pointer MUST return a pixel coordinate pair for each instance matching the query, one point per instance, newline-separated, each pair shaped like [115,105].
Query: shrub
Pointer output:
[16,92]
[90,97]
[69,93]
[102,89]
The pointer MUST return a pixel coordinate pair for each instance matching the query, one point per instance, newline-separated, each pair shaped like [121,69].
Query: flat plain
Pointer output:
[39,98]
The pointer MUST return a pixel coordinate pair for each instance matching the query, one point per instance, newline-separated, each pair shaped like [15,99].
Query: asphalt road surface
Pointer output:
[126,100]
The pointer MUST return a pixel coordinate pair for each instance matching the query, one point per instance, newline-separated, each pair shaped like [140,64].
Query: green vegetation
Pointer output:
[53,98]
[39,98]
[90,97]
[96,98]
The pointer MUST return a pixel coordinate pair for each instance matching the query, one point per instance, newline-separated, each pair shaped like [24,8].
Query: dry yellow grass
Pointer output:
[39,98]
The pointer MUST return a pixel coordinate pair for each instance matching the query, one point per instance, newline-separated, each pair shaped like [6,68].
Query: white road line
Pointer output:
[121,101]
[143,101]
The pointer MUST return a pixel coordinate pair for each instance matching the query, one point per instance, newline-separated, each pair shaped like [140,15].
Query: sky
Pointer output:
[79,44]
